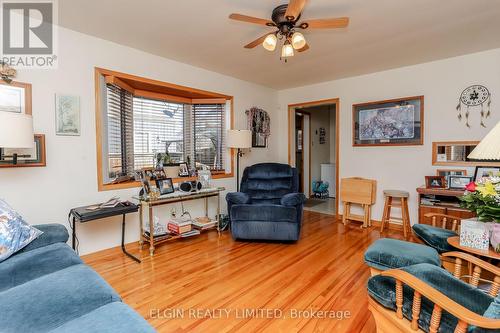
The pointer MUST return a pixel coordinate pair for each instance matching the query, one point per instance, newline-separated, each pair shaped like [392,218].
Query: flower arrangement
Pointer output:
[7,72]
[483,197]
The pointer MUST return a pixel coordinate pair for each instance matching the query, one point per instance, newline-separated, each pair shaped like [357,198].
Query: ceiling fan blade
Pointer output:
[333,23]
[294,9]
[304,48]
[256,42]
[250,19]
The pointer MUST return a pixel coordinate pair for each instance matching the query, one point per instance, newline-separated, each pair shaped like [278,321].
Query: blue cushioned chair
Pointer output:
[422,295]
[269,206]
[436,234]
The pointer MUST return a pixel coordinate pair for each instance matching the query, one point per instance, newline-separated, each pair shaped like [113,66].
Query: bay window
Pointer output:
[137,119]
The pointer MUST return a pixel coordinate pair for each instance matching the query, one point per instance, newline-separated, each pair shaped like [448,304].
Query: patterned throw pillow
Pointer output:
[15,233]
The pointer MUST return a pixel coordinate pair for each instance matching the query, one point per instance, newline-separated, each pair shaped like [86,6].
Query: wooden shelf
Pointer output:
[423,209]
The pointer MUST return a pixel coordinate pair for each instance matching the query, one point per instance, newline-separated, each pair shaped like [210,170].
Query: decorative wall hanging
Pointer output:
[260,125]
[7,73]
[473,96]
[322,136]
[396,122]
[67,115]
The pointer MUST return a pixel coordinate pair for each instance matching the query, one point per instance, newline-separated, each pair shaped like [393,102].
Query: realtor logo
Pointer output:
[28,33]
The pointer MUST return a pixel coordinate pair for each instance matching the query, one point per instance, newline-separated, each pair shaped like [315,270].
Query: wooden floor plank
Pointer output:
[206,284]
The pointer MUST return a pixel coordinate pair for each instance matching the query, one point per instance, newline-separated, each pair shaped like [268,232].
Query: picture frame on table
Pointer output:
[165,186]
[486,171]
[183,170]
[458,182]
[450,172]
[159,174]
[395,122]
[435,182]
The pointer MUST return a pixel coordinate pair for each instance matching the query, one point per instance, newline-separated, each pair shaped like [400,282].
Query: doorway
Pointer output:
[313,148]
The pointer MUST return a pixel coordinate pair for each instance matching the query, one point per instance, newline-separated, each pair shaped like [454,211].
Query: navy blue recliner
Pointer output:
[269,206]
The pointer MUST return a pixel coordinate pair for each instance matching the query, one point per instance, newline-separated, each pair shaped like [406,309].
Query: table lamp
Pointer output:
[239,139]
[16,131]
[489,147]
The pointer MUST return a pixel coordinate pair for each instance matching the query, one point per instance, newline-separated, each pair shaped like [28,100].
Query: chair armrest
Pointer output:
[293,199]
[238,198]
[52,233]
[473,260]
[439,299]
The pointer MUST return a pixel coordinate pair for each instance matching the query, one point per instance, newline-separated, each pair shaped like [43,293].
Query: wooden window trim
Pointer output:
[117,78]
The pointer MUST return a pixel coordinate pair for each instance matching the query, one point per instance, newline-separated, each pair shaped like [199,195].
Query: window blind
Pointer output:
[158,128]
[208,125]
[120,127]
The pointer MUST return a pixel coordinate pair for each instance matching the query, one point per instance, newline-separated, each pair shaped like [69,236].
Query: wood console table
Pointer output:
[441,201]
[175,197]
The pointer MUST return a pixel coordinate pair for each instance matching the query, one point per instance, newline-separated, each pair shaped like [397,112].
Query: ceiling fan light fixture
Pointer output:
[287,50]
[270,42]
[298,40]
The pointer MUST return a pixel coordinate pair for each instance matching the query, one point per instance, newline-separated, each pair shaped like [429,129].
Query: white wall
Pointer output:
[45,195]
[404,168]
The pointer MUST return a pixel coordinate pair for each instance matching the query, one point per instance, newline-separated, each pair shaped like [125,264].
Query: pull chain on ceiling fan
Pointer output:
[286,19]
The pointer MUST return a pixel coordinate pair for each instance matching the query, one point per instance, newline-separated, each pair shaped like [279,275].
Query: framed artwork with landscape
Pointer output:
[395,122]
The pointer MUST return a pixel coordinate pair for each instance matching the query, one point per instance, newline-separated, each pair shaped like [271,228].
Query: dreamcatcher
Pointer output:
[474,96]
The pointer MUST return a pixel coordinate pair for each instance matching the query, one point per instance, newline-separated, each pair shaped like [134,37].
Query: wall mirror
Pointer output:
[455,153]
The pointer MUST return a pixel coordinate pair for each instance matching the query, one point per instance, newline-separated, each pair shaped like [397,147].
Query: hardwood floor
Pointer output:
[206,284]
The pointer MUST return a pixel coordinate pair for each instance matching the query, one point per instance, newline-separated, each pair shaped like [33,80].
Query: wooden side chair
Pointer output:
[425,297]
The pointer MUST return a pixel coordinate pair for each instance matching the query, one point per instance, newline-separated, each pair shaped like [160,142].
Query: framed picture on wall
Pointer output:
[67,115]
[395,122]
[15,97]
[26,157]
[486,171]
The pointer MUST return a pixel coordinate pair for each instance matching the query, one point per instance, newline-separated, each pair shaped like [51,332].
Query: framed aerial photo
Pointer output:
[395,122]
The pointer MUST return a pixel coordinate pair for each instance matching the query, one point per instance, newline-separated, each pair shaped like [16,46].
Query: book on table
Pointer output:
[179,225]
[203,223]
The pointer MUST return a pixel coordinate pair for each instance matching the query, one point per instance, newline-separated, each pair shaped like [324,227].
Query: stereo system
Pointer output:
[190,186]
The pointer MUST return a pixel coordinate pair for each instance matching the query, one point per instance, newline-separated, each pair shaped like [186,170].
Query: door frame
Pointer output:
[291,113]
[308,148]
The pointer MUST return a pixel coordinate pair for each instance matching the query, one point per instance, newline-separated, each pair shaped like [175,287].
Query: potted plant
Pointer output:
[483,198]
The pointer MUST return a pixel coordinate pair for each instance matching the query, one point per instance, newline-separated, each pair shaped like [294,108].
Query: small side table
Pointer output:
[82,215]
[490,253]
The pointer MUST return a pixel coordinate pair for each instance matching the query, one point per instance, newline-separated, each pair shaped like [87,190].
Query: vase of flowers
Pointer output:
[483,198]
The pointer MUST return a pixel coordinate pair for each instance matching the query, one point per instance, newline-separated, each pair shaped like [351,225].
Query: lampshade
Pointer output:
[489,147]
[239,138]
[298,40]
[270,42]
[16,130]
[287,50]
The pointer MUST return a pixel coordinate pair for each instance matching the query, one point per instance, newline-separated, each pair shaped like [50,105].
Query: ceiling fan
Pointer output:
[286,19]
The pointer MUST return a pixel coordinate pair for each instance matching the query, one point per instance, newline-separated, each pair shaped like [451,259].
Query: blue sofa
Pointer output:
[46,287]
[268,207]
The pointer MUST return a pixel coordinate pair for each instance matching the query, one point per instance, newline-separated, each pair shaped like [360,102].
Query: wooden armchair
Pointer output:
[389,321]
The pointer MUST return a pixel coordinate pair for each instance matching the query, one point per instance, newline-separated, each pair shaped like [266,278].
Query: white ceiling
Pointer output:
[382,34]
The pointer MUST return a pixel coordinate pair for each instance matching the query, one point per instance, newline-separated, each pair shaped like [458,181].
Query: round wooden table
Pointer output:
[490,253]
